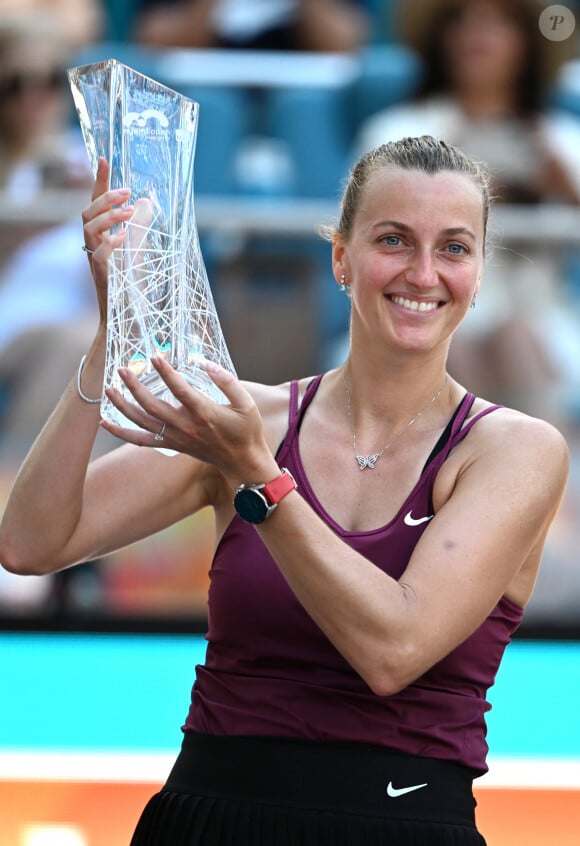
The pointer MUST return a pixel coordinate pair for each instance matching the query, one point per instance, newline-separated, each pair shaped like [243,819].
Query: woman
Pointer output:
[360,602]
[488,74]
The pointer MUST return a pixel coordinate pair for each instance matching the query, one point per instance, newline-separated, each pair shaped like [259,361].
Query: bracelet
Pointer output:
[79,389]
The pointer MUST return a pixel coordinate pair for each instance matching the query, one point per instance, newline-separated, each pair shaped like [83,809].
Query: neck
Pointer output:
[367,459]
[387,396]
[392,382]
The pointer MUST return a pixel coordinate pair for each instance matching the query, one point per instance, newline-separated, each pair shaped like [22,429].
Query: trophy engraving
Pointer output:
[159,299]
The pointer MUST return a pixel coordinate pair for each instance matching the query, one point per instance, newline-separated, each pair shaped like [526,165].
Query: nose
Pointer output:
[420,272]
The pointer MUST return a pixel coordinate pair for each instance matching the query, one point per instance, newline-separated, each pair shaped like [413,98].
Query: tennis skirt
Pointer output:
[249,791]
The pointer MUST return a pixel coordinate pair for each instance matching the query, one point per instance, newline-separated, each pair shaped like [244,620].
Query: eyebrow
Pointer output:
[451,230]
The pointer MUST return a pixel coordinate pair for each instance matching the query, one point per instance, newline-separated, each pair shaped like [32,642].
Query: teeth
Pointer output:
[415,305]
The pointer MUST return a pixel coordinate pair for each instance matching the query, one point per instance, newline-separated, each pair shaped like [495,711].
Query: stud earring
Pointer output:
[342,287]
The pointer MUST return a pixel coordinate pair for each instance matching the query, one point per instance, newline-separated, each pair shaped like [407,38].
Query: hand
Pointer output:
[104,212]
[230,436]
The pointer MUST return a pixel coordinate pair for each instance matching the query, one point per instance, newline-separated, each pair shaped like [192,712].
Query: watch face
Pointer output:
[251,505]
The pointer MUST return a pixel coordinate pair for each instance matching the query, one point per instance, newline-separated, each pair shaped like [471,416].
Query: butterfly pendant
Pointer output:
[365,461]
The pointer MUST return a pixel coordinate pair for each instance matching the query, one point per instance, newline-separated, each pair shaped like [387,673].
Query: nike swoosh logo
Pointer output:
[394,792]
[416,521]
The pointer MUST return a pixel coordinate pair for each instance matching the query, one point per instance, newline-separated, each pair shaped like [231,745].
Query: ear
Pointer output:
[339,258]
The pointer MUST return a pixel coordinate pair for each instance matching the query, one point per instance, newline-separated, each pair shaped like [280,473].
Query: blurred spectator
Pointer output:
[79,21]
[41,286]
[488,71]
[38,149]
[49,314]
[318,25]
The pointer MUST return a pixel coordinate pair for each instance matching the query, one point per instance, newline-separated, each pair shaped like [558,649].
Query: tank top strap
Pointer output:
[455,431]
[296,412]
[460,428]
[293,405]
[462,412]
[469,426]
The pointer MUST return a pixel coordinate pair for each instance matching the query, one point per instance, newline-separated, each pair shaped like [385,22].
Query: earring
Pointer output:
[472,303]
[342,287]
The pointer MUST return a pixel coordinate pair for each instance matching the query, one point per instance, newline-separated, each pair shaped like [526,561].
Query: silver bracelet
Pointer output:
[79,389]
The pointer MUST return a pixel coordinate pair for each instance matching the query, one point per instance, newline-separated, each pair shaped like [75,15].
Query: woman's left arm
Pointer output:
[499,502]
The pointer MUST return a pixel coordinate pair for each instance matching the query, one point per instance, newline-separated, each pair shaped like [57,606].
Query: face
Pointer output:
[483,43]
[32,88]
[414,259]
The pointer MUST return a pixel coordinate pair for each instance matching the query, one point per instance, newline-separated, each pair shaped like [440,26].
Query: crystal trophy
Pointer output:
[159,299]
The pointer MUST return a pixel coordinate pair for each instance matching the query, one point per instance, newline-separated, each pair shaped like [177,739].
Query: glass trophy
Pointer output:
[159,299]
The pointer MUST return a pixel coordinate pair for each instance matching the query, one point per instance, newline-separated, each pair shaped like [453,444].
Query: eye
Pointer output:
[457,249]
[391,240]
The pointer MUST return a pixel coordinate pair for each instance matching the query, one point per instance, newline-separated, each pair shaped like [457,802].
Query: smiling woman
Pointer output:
[433,250]
[487,84]
[356,619]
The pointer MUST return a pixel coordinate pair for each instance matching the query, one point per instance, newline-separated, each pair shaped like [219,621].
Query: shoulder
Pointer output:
[273,398]
[509,427]
[273,402]
[515,449]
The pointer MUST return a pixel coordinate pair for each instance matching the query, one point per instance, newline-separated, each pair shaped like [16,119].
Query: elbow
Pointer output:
[387,684]
[20,565]
[19,568]
[395,671]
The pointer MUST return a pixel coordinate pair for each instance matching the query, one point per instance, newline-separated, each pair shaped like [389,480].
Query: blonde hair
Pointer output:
[425,154]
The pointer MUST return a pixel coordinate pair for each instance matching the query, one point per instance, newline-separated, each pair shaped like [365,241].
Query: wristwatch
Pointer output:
[255,503]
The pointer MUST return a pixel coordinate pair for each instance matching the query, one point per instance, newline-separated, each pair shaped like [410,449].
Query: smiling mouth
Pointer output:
[422,306]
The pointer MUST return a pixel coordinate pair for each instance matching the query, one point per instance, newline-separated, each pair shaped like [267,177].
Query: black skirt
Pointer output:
[240,791]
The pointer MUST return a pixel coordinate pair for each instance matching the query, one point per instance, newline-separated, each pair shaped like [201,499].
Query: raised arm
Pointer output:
[62,509]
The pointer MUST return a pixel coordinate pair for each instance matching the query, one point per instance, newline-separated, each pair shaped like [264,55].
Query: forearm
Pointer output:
[45,502]
[363,611]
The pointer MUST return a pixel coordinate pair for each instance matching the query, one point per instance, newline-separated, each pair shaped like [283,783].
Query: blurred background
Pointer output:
[290,93]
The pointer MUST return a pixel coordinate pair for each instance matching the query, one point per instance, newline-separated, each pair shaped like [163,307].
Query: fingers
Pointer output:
[149,426]
[228,436]
[229,384]
[106,211]
[190,417]
[103,215]
[101,179]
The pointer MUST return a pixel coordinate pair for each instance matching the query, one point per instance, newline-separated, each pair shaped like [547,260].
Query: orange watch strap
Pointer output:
[279,487]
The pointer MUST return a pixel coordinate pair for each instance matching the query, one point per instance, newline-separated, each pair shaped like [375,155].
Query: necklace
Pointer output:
[370,460]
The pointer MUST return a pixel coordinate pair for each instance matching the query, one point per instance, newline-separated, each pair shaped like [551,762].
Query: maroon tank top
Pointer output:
[270,670]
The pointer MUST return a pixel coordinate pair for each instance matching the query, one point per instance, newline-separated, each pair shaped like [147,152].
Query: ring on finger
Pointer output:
[87,250]
[160,433]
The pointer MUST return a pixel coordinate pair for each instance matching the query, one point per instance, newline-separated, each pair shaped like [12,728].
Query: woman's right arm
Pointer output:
[62,509]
